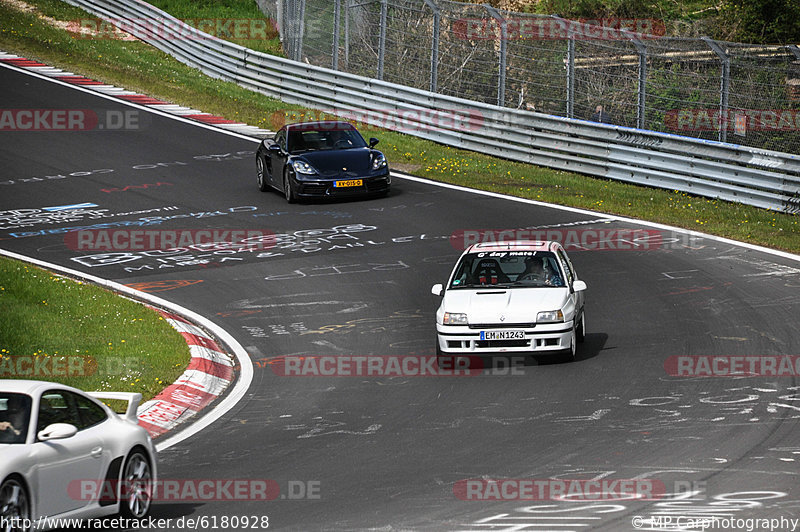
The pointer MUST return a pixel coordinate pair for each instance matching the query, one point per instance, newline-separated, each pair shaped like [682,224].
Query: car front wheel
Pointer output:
[137,486]
[568,355]
[15,509]
[287,188]
[262,179]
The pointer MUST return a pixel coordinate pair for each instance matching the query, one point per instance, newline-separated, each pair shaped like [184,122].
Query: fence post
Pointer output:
[280,21]
[382,38]
[435,45]
[347,34]
[725,77]
[336,16]
[301,30]
[569,63]
[501,78]
[288,26]
[641,89]
[570,74]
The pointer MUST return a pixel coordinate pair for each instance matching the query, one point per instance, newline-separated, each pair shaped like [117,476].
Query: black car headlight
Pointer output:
[302,167]
[379,161]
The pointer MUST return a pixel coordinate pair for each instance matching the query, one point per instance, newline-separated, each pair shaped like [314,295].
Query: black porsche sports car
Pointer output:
[321,160]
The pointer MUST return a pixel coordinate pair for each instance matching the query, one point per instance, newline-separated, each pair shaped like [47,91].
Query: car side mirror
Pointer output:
[579,286]
[373,142]
[57,431]
[437,289]
[274,148]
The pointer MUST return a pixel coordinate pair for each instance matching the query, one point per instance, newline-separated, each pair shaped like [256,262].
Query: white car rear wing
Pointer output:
[133,401]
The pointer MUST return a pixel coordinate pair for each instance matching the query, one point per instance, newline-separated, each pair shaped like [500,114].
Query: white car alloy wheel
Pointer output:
[137,486]
[14,506]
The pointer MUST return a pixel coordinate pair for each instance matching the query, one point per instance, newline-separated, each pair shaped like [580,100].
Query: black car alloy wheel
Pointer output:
[287,188]
[262,182]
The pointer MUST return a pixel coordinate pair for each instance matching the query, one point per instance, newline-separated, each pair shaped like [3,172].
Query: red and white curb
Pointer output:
[211,369]
[209,373]
[133,97]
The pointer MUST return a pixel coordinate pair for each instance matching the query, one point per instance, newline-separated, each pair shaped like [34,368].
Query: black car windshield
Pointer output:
[334,138]
[15,413]
[527,269]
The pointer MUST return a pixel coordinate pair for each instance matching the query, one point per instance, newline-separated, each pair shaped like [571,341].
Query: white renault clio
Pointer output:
[511,297]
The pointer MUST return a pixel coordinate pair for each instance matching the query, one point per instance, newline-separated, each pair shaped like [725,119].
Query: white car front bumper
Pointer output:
[471,340]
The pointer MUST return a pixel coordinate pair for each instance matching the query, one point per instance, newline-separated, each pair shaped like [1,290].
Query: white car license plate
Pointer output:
[502,335]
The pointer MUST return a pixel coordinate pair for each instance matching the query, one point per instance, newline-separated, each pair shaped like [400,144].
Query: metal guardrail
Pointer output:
[762,178]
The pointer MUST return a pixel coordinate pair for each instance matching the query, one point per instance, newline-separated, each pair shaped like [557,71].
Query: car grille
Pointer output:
[314,188]
[488,344]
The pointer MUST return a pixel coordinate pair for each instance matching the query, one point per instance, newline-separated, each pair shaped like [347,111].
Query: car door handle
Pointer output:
[97,452]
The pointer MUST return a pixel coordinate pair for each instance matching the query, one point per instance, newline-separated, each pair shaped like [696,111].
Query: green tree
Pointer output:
[762,21]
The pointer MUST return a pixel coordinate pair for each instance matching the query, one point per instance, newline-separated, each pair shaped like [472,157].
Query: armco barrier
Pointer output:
[762,178]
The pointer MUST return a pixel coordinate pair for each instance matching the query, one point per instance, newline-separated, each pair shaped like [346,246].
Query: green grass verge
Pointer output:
[57,329]
[246,18]
[140,67]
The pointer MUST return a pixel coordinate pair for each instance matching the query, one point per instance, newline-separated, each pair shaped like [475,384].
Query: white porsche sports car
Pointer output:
[64,455]
[511,297]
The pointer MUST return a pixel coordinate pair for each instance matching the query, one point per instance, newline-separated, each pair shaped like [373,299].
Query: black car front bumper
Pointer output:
[325,188]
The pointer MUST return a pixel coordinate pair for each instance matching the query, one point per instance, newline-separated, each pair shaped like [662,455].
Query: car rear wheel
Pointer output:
[137,486]
[15,509]
[262,179]
[287,188]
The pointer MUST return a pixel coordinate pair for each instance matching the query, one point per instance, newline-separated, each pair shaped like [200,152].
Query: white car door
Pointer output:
[63,463]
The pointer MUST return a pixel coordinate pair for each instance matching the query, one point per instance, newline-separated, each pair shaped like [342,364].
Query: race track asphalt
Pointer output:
[384,453]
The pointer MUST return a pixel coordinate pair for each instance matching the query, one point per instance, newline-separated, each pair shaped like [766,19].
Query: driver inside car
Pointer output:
[13,421]
[536,271]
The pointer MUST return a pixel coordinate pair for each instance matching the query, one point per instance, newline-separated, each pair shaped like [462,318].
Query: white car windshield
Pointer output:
[15,413]
[526,269]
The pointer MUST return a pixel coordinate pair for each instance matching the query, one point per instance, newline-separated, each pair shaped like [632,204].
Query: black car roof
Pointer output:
[323,124]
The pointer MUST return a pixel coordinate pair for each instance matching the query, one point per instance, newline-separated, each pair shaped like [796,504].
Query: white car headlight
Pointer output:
[379,161]
[454,318]
[550,316]
[302,167]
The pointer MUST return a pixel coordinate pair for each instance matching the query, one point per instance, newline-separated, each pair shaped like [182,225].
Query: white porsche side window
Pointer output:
[54,407]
